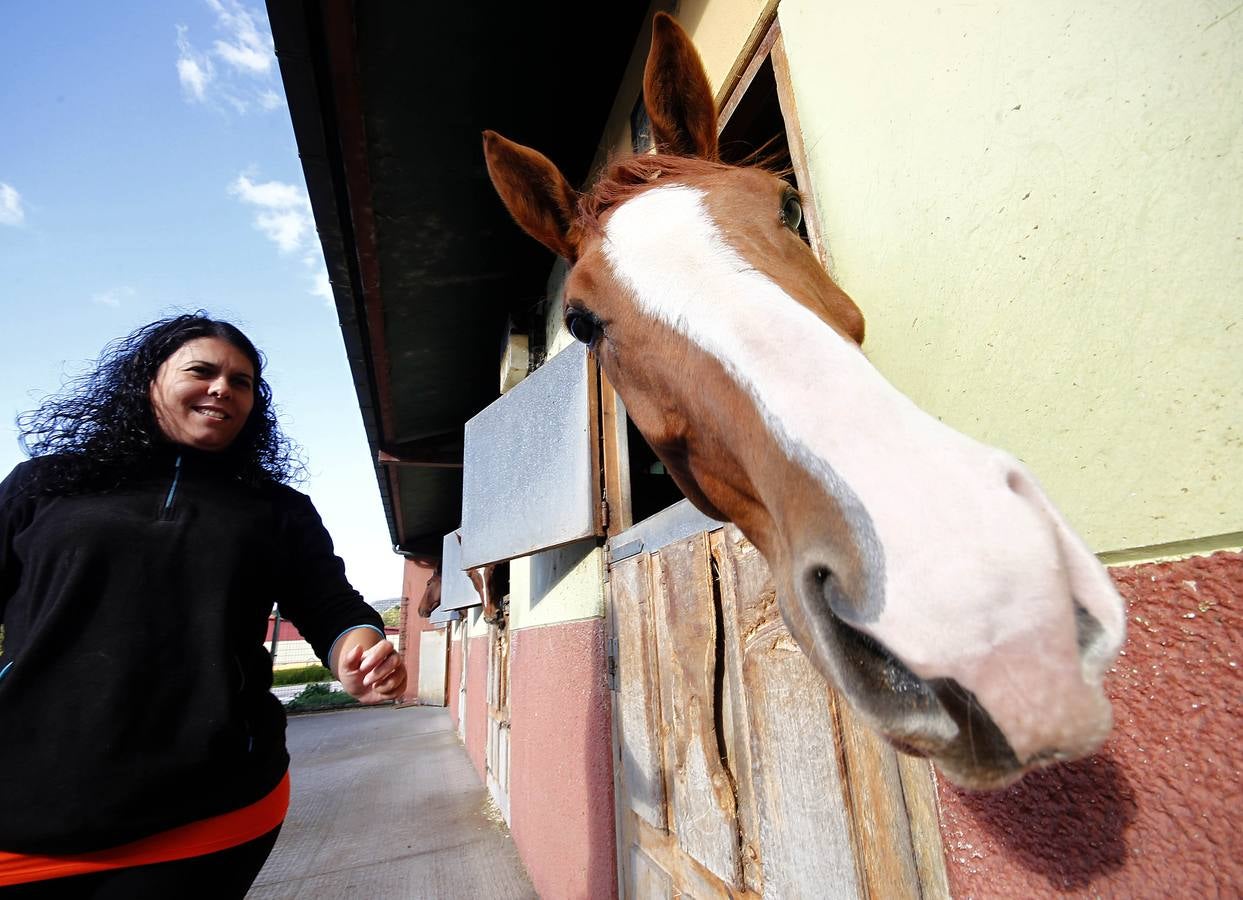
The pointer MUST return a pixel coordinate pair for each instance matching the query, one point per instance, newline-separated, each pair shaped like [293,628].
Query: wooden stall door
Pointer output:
[433,666]
[462,629]
[497,753]
[736,773]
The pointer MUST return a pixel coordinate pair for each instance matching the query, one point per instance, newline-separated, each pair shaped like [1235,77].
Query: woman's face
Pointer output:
[203,393]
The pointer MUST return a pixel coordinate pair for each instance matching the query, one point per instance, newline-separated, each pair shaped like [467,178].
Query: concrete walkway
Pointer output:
[386,804]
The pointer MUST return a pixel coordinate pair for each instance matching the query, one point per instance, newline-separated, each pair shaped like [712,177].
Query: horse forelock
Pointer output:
[626,178]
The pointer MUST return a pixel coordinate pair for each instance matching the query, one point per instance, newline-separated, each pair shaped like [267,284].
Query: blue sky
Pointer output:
[148,167]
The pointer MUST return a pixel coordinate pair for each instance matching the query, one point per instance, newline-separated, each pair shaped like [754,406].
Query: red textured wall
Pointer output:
[413,581]
[477,703]
[1157,813]
[453,700]
[561,770]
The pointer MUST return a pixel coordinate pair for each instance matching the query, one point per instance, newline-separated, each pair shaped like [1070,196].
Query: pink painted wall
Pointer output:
[1158,812]
[477,703]
[413,581]
[453,701]
[561,769]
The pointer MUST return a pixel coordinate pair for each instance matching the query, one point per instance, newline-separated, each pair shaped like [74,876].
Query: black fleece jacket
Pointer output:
[135,687]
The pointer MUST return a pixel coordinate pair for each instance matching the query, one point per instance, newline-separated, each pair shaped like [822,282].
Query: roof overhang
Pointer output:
[388,100]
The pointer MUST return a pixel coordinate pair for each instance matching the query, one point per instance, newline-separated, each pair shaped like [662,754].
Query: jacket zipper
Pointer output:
[167,511]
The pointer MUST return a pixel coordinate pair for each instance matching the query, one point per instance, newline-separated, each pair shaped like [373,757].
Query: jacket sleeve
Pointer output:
[317,597]
[16,512]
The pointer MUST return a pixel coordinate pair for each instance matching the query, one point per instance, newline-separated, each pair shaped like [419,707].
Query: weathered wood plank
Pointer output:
[737,733]
[691,880]
[616,458]
[806,845]
[699,788]
[877,810]
[649,879]
[920,793]
[637,706]
[805,834]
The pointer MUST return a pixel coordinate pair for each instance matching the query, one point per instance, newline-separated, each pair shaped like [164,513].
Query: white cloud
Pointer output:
[113,297]
[283,214]
[245,78]
[11,212]
[321,287]
[250,49]
[270,194]
[194,70]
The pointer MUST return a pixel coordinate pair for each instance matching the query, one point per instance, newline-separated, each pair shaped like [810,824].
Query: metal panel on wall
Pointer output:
[531,479]
[456,589]
[441,616]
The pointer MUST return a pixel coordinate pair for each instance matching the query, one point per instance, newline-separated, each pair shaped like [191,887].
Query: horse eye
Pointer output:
[582,325]
[792,212]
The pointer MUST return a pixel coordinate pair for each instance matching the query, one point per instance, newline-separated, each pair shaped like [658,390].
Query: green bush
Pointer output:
[319,696]
[300,675]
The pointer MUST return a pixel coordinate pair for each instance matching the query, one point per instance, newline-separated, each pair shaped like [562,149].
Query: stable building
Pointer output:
[1036,207]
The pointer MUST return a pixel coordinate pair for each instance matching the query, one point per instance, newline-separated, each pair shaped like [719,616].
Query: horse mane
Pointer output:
[629,176]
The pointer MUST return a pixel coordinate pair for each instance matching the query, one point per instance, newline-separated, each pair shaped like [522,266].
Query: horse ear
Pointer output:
[677,94]
[535,193]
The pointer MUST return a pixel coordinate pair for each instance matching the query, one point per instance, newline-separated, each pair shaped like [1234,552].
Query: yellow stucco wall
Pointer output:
[1039,207]
[562,585]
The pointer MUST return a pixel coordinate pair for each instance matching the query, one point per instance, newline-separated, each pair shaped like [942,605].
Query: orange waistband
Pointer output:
[196,839]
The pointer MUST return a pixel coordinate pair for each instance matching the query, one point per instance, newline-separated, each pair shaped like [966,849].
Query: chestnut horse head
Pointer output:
[431,595]
[926,575]
[491,583]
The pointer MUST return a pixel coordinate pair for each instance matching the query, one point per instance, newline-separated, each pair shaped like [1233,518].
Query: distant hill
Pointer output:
[381,606]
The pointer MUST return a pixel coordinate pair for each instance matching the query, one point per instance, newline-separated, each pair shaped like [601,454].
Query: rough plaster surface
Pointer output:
[1037,206]
[1157,813]
[561,772]
[559,585]
[477,703]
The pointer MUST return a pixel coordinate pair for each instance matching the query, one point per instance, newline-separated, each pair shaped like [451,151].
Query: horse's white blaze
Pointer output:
[979,570]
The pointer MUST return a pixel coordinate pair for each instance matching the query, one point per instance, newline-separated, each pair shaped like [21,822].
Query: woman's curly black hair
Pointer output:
[100,429]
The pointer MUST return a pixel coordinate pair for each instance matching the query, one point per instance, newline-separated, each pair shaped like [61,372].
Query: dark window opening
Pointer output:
[640,127]
[651,487]
[756,131]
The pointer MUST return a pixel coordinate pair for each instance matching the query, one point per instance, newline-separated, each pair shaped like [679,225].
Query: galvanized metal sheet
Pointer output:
[441,617]
[456,590]
[530,480]
[671,524]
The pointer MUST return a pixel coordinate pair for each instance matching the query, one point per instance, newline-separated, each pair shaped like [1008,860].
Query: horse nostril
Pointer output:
[824,587]
[1096,650]
[1087,628]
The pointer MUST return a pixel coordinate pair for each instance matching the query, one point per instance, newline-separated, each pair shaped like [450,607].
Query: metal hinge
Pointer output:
[613,650]
[604,514]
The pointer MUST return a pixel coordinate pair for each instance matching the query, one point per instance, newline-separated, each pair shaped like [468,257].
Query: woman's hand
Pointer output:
[374,674]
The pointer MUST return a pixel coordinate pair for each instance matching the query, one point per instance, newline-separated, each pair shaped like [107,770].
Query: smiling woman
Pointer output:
[141,549]
[140,397]
[202,394]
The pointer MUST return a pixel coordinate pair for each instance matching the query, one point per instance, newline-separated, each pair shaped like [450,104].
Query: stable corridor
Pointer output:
[387,805]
